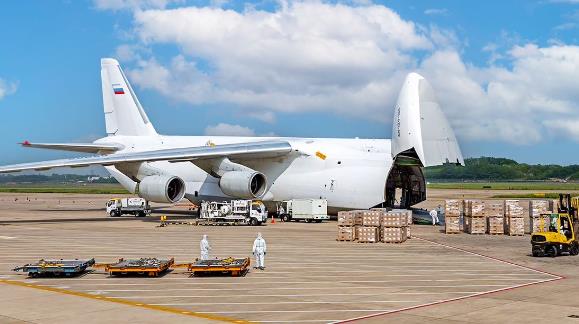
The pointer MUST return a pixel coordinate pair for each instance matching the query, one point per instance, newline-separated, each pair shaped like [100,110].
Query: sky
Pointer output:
[505,72]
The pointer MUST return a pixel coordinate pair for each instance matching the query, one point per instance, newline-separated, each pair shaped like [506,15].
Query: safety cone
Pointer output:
[272,219]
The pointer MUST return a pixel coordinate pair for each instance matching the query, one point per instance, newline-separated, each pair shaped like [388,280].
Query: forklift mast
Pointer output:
[566,207]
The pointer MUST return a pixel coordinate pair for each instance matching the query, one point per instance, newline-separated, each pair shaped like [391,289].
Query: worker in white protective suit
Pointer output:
[259,251]
[434,216]
[205,248]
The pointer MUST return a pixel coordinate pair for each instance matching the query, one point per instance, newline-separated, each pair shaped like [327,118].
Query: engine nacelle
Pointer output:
[243,184]
[162,189]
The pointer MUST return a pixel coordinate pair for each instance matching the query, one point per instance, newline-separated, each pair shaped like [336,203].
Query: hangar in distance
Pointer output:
[349,173]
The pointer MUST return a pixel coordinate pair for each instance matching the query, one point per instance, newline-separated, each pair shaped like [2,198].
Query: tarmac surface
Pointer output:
[310,277]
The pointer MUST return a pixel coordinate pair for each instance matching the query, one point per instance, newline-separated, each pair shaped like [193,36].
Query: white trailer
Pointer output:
[235,211]
[134,206]
[309,210]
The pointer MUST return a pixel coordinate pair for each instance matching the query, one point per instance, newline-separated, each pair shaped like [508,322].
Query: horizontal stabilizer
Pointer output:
[76,147]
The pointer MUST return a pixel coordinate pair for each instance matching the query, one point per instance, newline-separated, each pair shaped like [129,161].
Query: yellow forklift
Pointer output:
[561,229]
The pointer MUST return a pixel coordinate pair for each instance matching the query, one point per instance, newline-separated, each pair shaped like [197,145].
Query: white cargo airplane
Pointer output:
[349,173]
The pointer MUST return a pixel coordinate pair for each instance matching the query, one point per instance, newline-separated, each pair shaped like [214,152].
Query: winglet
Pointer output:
[25,143]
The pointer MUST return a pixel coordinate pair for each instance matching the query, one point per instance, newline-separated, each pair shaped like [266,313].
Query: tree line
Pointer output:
[490,168]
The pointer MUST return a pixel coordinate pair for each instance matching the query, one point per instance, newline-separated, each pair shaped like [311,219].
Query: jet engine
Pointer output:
[243,184]
[162,189]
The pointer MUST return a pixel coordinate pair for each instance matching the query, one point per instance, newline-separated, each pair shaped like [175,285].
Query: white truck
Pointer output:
[309,210]
[134,206]
[236,211]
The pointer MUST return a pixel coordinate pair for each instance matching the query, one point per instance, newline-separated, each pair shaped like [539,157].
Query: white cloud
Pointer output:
[132,4]
[223,129]
[436,11]
[7,88]
[351,60]
[513,105]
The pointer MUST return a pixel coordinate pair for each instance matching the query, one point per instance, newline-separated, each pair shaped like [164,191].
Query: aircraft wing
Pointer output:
[251,150]
[75,147]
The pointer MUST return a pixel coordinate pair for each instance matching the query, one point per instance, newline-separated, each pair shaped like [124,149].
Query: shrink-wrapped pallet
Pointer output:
[515,226]
[367,234]
[451,224]
[474,208]
[540,223]
[475,225]
[496,225]
[494,209]
[346,233]
[538,207]
[394,234]
[452,208]
[514,211]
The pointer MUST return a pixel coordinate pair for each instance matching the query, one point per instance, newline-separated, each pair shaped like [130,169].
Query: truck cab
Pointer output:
[559,238]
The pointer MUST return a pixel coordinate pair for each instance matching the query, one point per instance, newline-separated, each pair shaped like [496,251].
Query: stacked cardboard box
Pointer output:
[408,213]
[474,217]
[515,225]
[347,221]
[540,223]
[394,219]
[371,218]
[394,234]
[514,221]
[346,233]
[452,225]
[452,216]
[536,209]
[496,225]
[394,226]
[495,212]
[374,225]
[474,208]
[494,209]
[368,234]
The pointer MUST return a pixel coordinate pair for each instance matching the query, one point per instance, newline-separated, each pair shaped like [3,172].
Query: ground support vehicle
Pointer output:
[309,210]
[232,266]
[235,212]
[150,266]
[559,238]
[134,206]
[56,267]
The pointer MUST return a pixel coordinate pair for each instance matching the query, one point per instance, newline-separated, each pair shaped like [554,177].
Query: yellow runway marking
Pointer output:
[125,302]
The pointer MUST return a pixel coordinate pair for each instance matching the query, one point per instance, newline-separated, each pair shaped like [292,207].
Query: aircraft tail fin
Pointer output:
[124,114]
[420,130]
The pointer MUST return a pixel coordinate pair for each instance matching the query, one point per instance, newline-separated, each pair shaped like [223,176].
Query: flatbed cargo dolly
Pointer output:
[234,267]
[150,266]
[57,267]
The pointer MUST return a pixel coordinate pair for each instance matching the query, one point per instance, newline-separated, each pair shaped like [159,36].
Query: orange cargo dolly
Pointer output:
[235,267]
[151,266]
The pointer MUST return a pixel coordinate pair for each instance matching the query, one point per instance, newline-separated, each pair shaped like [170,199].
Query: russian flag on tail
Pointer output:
[118,89]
